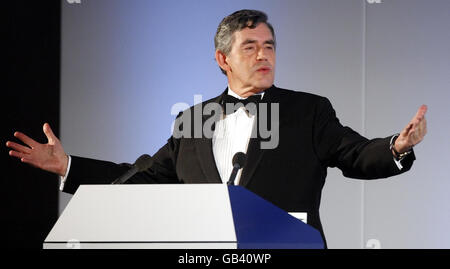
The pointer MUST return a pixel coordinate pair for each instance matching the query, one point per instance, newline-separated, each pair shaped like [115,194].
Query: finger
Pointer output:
[417,121]
[421,125]
[405,132]
[28,161]
[412,133]
[25,139]
[18,147]
[49,133]
[417,133]
[421,112]
[422,129]
[17,154]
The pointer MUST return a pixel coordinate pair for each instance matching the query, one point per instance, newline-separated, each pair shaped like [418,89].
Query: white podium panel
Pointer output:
[146,216]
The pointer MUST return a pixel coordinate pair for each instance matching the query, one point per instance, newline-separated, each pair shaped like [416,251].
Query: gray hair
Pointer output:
[237,21]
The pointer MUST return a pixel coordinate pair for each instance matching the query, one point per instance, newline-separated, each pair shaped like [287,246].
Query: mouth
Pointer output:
[264,69]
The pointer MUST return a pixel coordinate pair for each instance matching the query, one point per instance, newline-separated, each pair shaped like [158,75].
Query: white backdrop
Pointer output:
[126,62]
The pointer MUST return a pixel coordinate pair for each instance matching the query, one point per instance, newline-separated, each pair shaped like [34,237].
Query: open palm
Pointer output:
[49,157]
[414,132]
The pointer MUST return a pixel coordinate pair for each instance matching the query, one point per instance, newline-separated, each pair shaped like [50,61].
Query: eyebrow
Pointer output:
[252,41]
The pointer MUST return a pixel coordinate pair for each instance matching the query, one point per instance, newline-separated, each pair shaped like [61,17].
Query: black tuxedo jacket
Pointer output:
[291,176]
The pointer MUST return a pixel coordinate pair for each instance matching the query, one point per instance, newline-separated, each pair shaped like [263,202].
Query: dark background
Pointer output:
[29,196]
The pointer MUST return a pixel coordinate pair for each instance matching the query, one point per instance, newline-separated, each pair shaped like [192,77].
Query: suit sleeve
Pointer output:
[355,155]
[90,171]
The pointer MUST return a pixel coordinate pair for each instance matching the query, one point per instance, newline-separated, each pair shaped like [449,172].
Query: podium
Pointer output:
[181,216]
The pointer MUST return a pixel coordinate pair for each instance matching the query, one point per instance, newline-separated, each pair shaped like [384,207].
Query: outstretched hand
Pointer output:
[413,133]
[49,157]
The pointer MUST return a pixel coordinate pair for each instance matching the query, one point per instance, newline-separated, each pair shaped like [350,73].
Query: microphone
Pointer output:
[238,161]
[141,164]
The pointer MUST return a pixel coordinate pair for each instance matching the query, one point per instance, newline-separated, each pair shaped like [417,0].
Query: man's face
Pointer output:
[251,60]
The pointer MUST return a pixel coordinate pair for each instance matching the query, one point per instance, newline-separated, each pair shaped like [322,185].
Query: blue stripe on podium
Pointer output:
[261,225]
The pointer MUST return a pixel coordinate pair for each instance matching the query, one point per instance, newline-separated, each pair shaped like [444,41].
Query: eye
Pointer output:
[249,48]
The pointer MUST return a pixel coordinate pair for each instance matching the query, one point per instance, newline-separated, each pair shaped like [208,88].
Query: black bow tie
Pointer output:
[228,99]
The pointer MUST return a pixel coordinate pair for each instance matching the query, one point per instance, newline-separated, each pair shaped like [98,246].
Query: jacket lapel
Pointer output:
[206,158]
[254,156]
[204,150]
[254,151]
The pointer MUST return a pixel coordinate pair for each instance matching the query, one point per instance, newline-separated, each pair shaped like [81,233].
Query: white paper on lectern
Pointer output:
[163,213]
[303,216]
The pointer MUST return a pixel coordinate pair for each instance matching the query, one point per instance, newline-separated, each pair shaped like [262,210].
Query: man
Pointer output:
[290,175]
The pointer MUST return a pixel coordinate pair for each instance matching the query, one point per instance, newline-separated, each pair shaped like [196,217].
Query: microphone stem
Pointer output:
[126,176]
[236,168]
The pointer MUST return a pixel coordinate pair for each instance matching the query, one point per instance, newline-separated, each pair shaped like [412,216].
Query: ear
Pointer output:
[221,60]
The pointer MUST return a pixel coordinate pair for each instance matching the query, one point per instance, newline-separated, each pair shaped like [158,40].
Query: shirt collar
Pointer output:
[234,94]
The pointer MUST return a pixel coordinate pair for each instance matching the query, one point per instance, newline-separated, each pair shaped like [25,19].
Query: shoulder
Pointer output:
[298,97]
[199,107]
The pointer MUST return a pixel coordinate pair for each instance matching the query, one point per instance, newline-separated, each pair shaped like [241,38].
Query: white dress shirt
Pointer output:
[231,135]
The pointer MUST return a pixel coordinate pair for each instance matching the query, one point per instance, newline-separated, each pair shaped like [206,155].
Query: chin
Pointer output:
[264,84]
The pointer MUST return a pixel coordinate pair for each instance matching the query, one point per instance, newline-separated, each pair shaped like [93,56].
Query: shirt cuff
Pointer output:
[64,178]
[398,163]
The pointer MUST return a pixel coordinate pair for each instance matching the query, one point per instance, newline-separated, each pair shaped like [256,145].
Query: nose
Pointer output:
[261,56]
